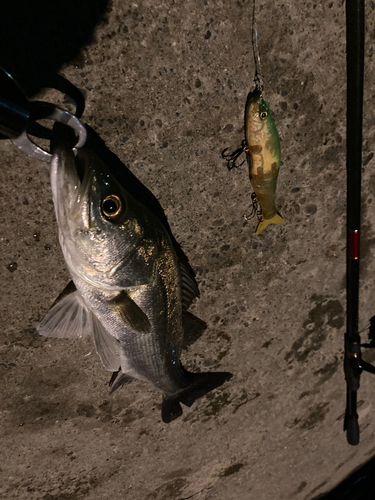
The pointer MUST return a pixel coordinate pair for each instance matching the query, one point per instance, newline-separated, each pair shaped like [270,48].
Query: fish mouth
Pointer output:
[71,179]
[81,169]
[252,123]
[72,182]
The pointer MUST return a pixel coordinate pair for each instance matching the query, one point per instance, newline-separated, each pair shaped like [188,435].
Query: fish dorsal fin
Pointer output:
[189,287]
[131,314]
[107,346]
[67,318]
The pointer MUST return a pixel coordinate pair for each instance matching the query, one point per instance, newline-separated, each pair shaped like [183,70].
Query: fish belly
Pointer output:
[152,357]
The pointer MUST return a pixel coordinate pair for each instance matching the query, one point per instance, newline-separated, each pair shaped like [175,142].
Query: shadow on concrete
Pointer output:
[37,38]
[358,486]
[371,334]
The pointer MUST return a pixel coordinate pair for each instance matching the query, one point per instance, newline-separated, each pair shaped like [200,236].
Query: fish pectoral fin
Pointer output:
[130,313]
[276,219]
[118,380]
[107,346]
[68,318]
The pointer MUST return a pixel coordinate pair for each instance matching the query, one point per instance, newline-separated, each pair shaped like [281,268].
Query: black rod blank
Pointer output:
[355,21]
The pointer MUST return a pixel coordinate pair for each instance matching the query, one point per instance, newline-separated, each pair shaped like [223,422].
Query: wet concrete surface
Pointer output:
[165,85]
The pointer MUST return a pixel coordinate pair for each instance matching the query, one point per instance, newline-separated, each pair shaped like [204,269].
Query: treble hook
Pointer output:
[231,158]
[256,209]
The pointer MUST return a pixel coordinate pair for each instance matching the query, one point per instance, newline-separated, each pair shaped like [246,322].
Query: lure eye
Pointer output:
[263,115]
[112,206]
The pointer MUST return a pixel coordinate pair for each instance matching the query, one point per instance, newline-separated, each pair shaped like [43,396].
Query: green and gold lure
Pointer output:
[262,148]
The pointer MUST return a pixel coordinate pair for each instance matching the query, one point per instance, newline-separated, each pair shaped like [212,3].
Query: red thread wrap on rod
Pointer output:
[354,244]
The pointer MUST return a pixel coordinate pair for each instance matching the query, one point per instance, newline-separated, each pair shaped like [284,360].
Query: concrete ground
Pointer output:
[165,84]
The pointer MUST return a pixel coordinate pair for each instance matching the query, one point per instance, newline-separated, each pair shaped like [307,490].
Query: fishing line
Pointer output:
[254,40]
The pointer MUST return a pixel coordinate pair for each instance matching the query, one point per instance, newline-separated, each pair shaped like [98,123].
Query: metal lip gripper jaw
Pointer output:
[19,116]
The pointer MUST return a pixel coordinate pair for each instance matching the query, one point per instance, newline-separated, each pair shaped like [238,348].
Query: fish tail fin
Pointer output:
[201,384]
[276,219]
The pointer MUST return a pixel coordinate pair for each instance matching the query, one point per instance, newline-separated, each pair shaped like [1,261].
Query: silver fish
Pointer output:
[131,290]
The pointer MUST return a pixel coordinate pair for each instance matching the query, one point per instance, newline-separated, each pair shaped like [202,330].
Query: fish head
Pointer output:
[100,224]
[257,114]
[261,133]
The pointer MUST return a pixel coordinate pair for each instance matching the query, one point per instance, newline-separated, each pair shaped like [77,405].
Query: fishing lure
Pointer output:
[262,149]
[263,156]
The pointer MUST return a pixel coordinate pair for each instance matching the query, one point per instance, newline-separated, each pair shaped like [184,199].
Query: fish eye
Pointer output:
[111,206]
[263,115]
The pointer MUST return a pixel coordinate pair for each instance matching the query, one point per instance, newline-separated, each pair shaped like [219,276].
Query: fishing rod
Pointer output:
[353,363]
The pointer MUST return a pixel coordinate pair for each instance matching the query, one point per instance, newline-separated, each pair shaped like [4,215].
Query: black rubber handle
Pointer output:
[352,430]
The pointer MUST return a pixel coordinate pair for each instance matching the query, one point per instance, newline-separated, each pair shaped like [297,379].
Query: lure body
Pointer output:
[263,156]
